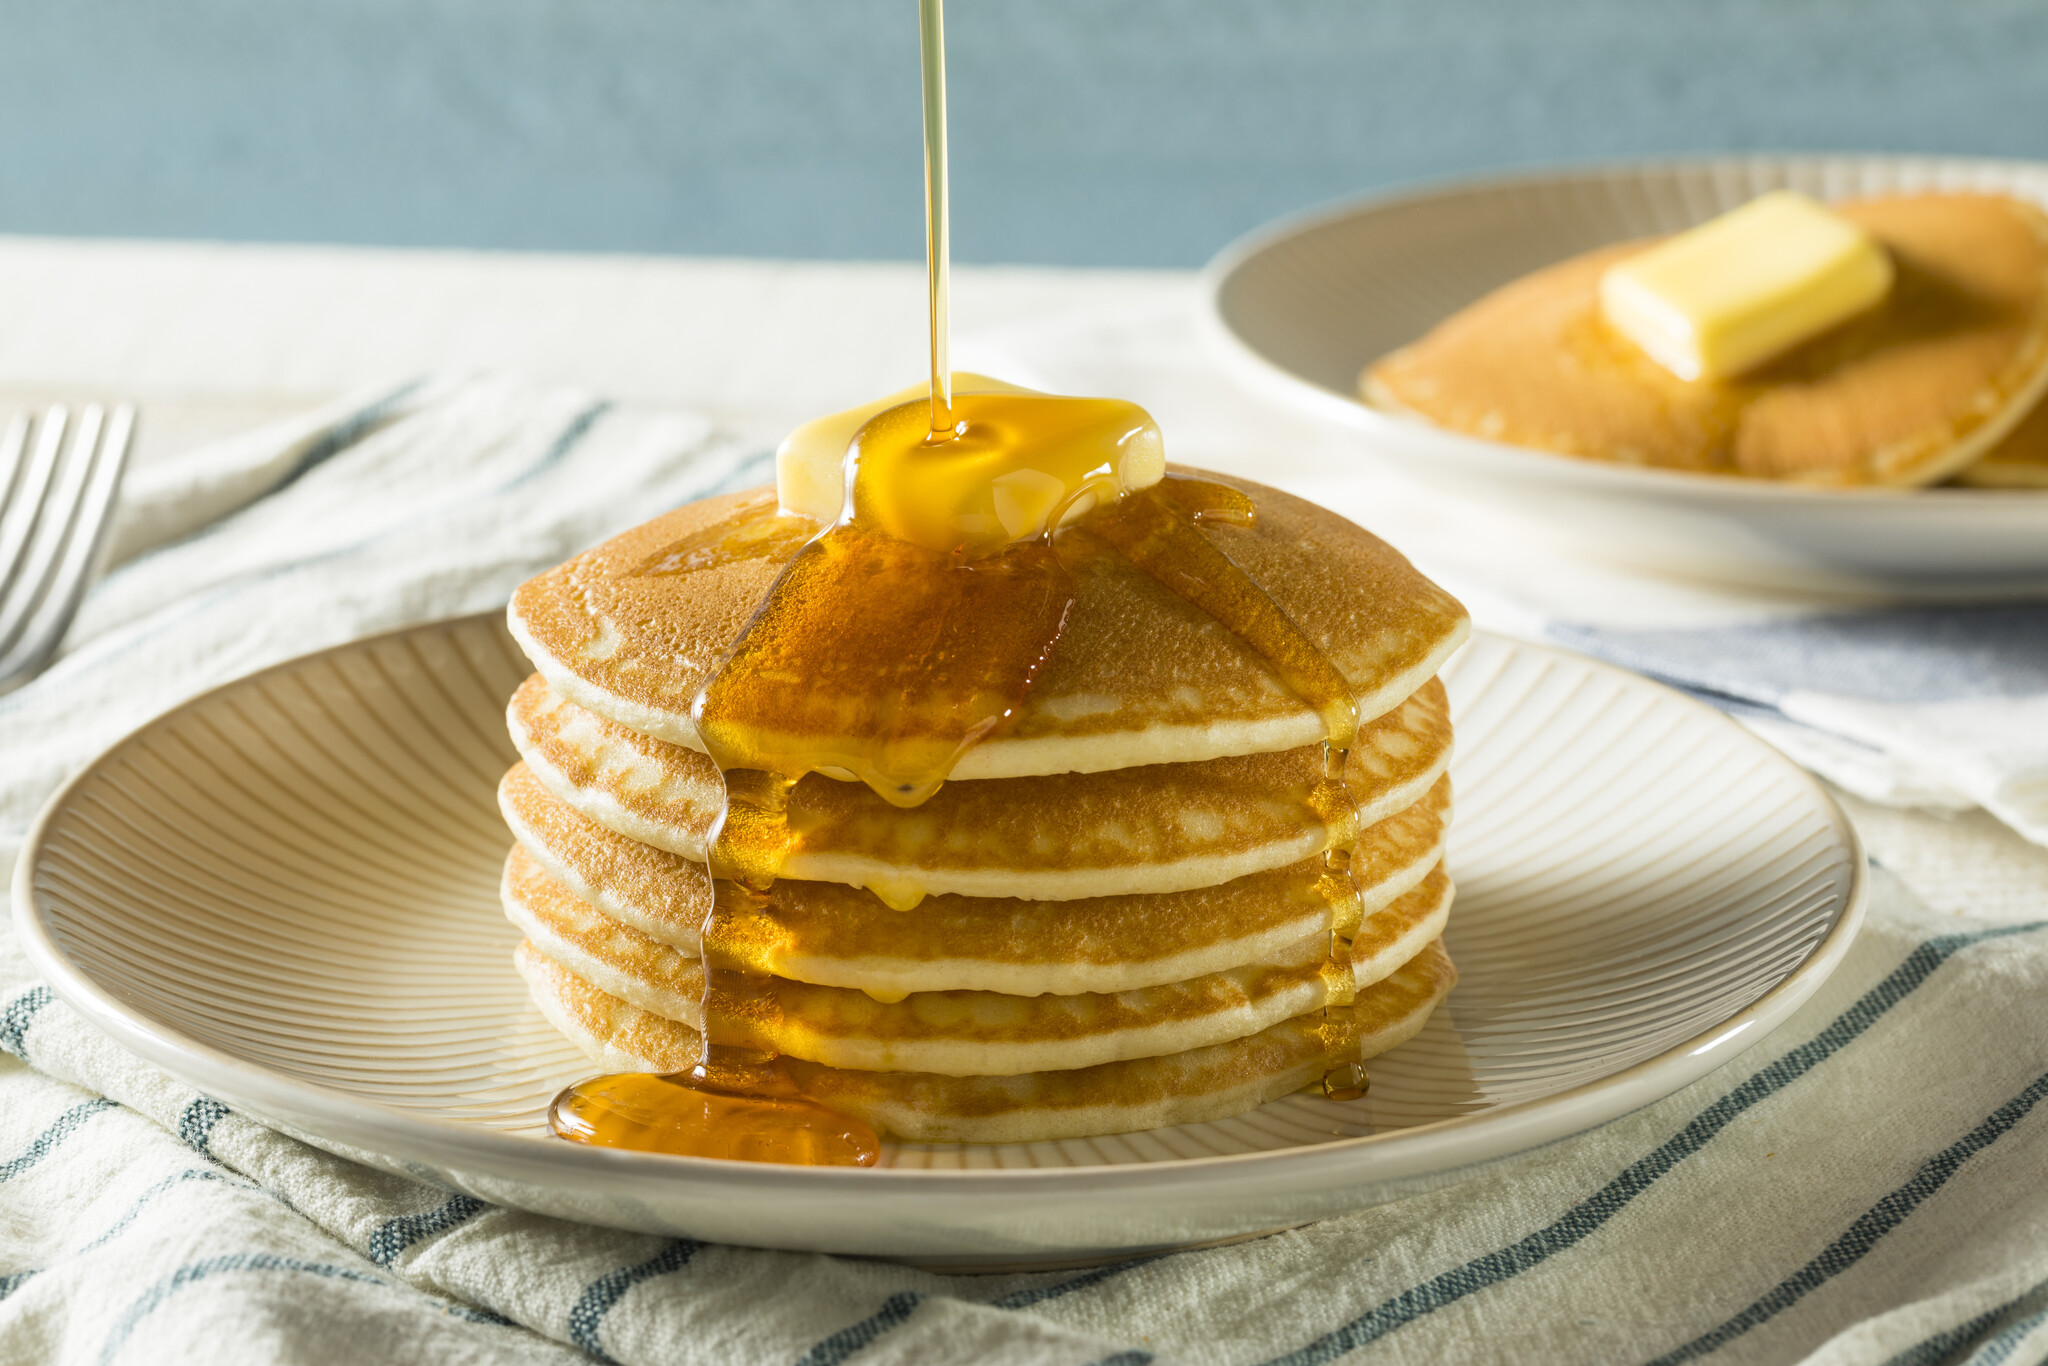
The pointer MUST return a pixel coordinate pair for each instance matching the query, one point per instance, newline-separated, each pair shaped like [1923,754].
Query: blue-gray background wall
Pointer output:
[1113,132]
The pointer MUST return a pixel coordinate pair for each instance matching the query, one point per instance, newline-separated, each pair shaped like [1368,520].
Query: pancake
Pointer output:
[963,1033]
[1906,394]
[833,935]
[1118,1097]
[630,628]
[2020,461]
[1161,828]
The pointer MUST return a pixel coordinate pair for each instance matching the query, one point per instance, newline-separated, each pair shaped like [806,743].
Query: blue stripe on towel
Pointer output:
[1863,1235]
[476,1315]
[1932,654]
[337,439]
[586,1316]
[2000,1349]
[124,1326]
[21,1012]
[197,1121]
[49,1139]
[142,1201]
[1025,1299]
[1940,1345]
[566,441]
[852,1338]
[1590,1214]
[390,1239]
[345,433]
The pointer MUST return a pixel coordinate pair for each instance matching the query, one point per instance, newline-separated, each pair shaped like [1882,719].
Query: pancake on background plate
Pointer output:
[1907,394]
[2020,461]
[1117,913]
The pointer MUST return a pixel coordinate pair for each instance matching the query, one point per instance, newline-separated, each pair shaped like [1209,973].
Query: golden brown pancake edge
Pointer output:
[1138,677]
[832,935]
[1149,1093]
[1161,828]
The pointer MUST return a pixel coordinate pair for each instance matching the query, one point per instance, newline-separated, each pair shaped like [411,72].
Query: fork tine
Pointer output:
[11,447]
[26,507]
[59,509]
[87,535]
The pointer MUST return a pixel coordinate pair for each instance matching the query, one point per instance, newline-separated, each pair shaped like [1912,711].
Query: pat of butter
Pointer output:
[1018,462]
[810,464]
[1746,287]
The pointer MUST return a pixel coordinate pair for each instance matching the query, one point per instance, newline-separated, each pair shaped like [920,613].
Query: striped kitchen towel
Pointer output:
[1864,1186]
[427,501]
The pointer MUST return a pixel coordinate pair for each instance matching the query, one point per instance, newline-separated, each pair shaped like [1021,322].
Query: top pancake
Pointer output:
[1138,676]
[1905,394]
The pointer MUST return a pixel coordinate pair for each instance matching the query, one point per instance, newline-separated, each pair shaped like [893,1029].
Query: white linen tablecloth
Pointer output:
[1865,1185]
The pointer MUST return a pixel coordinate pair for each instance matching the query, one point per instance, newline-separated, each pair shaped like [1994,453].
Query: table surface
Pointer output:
[214,338]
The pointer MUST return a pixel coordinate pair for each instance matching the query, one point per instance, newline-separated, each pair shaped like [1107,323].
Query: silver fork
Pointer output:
[55,519]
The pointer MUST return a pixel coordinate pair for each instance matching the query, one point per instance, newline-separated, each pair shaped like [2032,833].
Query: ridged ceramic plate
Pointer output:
[285,893]
[1301,307]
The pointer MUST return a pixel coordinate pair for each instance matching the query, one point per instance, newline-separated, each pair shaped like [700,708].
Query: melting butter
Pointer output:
[1746,287]
[1015,465]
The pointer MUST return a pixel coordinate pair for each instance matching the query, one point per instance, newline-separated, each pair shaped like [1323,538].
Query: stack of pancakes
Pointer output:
[1112,917]
[1947,377]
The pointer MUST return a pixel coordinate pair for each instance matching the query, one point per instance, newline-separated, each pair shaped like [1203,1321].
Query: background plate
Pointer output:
[1301,307]
[285,893]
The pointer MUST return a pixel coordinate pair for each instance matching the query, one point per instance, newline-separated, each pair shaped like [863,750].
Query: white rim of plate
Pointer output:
[1515,461]
[1440,1146]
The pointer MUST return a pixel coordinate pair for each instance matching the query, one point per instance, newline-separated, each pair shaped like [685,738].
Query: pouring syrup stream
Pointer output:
[938,242]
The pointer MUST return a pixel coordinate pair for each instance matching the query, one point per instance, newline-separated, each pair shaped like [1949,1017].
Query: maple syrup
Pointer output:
[694,1114]
[903,634]
[938,217]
